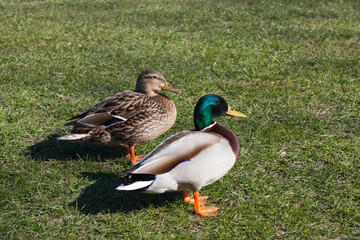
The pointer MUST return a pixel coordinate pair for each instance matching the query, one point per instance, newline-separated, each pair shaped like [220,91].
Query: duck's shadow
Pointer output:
[102,196]
[51,148]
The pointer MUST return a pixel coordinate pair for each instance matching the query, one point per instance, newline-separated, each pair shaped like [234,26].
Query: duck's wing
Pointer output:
[116,108]
[183,146]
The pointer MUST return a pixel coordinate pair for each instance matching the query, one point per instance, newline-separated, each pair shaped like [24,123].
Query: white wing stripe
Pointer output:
[119,117]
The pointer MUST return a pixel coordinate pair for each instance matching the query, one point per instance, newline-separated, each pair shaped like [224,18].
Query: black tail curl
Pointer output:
[131,178]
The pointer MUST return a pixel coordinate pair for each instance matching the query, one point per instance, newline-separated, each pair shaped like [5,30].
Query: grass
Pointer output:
[292,66]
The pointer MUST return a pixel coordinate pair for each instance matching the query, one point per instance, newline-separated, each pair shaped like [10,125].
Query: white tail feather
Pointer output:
[72,137]
[134,186]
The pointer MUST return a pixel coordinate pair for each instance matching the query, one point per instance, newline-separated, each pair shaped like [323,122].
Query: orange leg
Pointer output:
[130,153]
[202,210]
[190,199]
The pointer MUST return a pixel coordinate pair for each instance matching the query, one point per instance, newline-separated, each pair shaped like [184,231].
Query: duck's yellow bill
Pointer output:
[235,113]
[170,88]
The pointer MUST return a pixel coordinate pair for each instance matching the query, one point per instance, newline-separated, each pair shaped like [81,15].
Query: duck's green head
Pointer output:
[210,106]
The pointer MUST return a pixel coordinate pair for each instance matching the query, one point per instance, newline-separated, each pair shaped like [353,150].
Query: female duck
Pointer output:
[189,160]
[127,118]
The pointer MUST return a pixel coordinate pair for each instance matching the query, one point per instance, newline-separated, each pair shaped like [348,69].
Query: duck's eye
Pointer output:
[217,101]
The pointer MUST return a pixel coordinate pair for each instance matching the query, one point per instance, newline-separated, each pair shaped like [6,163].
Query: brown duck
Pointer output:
[127,118]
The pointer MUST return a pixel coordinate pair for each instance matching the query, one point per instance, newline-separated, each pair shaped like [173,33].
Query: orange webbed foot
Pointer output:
[205,211]
[136,159]
[190,199]
[130,154]
[208,211]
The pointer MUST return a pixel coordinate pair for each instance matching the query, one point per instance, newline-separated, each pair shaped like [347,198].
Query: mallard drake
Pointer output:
[127,118]
[191,159]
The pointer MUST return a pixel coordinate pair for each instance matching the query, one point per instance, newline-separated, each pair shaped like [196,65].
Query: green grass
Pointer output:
[291,66]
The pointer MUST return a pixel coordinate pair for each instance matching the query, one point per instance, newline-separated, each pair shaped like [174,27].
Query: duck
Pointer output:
[127,118]
[190,159]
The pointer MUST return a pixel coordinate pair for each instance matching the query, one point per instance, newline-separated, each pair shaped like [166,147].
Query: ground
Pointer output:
[291,66]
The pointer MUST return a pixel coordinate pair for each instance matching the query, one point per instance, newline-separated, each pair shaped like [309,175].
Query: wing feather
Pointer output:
[120,106]
[178,148]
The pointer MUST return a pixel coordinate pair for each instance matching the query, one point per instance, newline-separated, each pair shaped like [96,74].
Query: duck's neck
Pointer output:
[148,93]
[202,119]
[152,94]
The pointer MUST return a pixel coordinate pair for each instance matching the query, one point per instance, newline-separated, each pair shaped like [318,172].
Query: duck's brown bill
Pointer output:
[170,88]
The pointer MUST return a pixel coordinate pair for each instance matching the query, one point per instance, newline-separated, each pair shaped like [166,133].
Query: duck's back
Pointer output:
[151,121]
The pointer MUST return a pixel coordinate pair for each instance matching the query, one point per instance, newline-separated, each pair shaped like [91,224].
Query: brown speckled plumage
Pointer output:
[127,118]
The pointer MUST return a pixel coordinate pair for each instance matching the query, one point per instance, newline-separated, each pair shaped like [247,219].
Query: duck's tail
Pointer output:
[73,137]
[136,182]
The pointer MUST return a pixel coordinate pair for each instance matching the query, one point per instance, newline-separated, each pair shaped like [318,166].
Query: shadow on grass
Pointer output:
[51,148]
[102,196]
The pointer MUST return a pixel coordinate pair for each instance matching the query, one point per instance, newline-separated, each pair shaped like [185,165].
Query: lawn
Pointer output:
[291,66]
